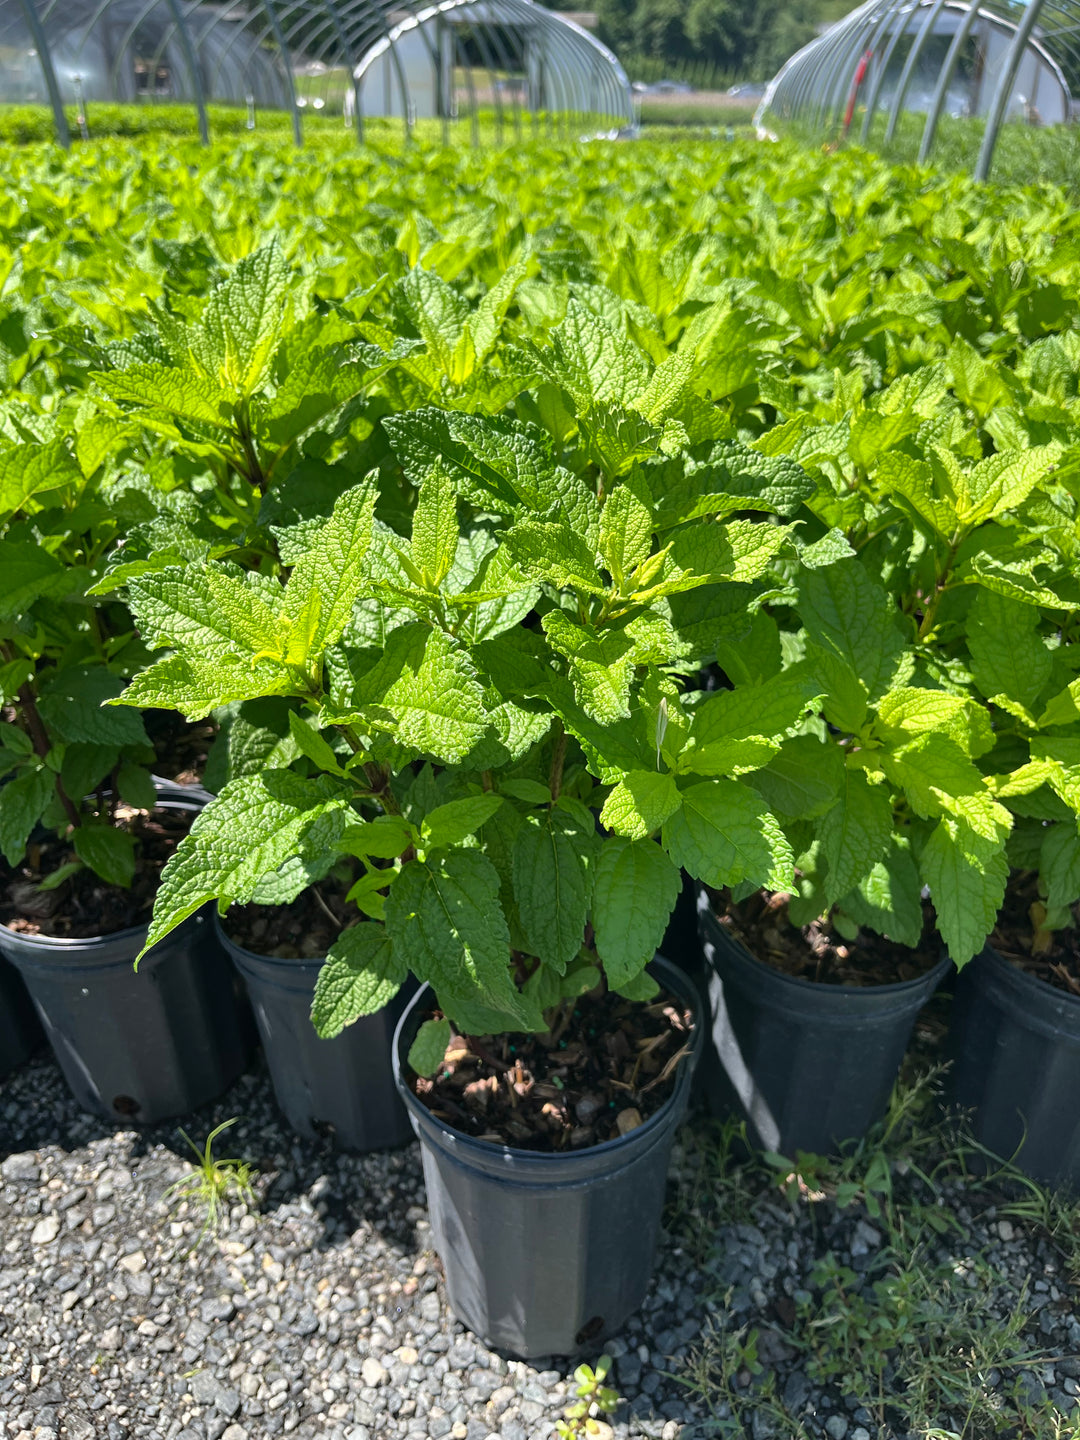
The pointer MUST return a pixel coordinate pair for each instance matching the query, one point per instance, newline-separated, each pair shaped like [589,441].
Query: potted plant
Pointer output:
[974,552]
[496,689]
[84,831]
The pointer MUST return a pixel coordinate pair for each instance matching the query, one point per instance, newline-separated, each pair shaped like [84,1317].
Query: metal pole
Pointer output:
[937,104]
[1004,86]
[286,62]
[41,45]
[901,27]
[908,71]
[193,69]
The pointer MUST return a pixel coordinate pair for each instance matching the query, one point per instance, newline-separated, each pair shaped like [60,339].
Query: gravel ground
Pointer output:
[323,1314]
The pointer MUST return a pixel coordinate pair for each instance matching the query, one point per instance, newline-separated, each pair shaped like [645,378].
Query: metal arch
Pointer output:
[937,104]
[1003,89]
[934,9]
[902,12]
[194,69]
[44,55]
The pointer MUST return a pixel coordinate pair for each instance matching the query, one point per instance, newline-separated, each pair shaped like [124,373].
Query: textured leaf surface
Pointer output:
[427,683]
[640,804]
[551,891]
[22,802]
[445,915]
[634,892]
[600,664]
[332,567]
[1008,656]
[428,1049]
[109,853]
[855,833]
[966,875]
[361,974]
[888,899]
[724,834]
[72,702]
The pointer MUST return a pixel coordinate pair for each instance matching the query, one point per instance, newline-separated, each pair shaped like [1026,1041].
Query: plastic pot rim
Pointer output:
[131,934]
[485,1151]
[1027,987]
[797,984]
[290,963]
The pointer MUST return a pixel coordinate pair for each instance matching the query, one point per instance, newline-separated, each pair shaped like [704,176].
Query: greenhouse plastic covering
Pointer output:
[356,58]
[993,63]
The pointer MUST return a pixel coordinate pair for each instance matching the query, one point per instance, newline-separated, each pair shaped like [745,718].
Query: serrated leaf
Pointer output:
[640,804]
[1059,866]
[109,853]
[735,731]
[888,900]
[634,891]
[966,875]
[803,780]
[551,890]
[705,554]
[734,477]
[383,838]
[428,1049]
[195,688]
[73,705]
[435,528]
[826,551]
[854,834]
[247,832]
[361,974]
[600,662]
[1007,654]
[626,527]
[555,553]
[30,574]
[180,391]
[332,566]
[426,682]
[210,611]
[724,834]
[310,743]
[22,803]
[240,327]
[451,823]
[26,470]
[135,785]
[444,914]
[530,791]
[851,620]
[939,779]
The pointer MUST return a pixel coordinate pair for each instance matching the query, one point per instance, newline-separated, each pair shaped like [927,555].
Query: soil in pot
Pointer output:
[132,1045]
[604,1068]
[547,1251]
[340,1090]
[83,906]
[817,952]
[181,748]
[809,1027]
[1054,957]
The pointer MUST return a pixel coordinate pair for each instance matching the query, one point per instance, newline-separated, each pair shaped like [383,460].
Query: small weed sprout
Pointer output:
[592,1394]
[213,1184]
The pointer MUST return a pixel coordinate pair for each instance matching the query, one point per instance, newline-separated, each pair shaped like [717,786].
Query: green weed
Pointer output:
[213,1185]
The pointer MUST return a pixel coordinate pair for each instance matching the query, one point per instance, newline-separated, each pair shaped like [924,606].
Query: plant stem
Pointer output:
[377,777]
[39,736]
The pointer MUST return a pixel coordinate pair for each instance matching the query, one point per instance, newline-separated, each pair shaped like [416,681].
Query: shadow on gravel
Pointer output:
[341,1192]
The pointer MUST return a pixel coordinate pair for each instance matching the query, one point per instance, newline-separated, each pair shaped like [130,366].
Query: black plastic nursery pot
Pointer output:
[1015,1046]
[139,1046]
[547,1253]
[20,1033]
[810,1066]
[341,1089]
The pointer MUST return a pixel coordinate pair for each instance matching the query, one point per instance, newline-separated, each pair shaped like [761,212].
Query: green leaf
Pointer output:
[640,804]
[183,392]
[939,779]
[211,611]
[425,681]
[724,834]
[383,838]
[428,1049]
[449,824]
[738,730]
[22,804]
[707,553]
[852,619]
[803,780]
[135,786]
[247,832]
[240,327]
[30,574]
[626,527]
[1008,656]
[551,890]
[85,766]
[196,687]
[555,553]
[888,899]
[600,664]
[332,567]
[435,528]
[361,974]
[1059,866]
[26,470]
[734,477]
[855,833]
[109,853]
[530,791]
[313,745]
[966,875]
[826,551]
[73,705]
[634,892]
[444,914]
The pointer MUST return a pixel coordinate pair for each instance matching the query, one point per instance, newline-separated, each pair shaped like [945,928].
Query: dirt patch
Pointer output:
[1014,938]
[302,930]
[816,951]
[181,747]
[83,906]
[599,1075]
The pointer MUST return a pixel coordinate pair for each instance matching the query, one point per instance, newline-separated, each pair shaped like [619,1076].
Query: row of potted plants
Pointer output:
[485,705]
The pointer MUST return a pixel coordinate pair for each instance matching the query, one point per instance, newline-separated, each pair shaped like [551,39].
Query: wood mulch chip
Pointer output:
[1014,937]
[598,1074]
[816,951]
[83,906]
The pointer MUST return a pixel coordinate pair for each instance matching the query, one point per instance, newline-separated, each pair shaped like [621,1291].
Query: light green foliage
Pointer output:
[360,975]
